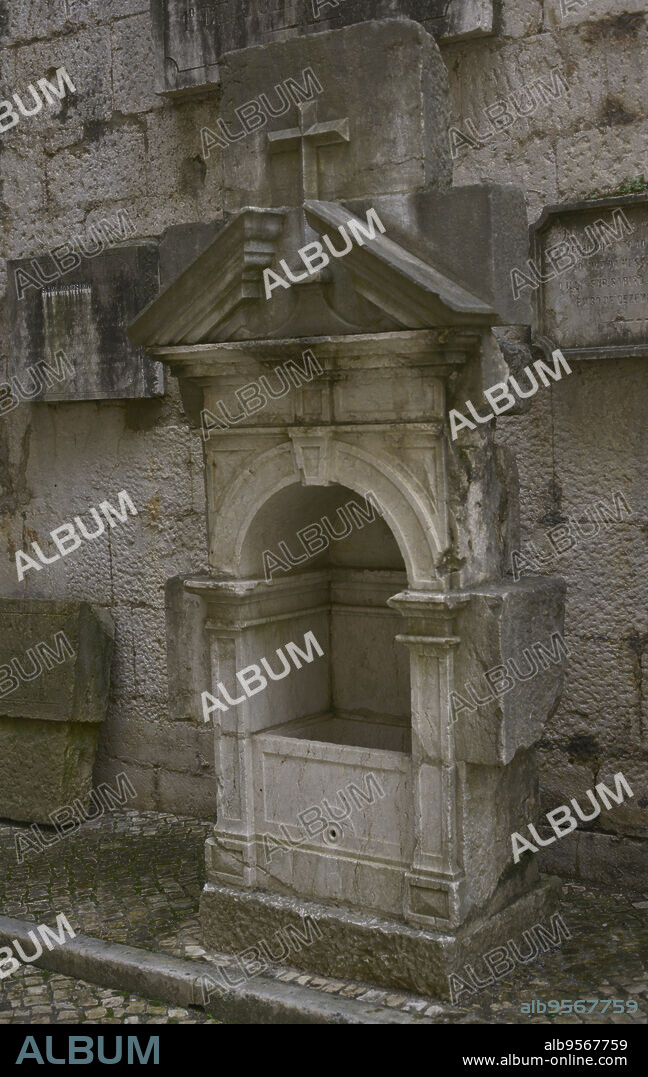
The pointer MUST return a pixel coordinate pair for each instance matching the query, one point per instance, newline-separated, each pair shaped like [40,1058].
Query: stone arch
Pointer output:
[321,460]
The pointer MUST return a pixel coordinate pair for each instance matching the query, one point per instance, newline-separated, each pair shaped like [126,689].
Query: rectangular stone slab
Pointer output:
[83,313]
[49,723]
[192,35]
[396,113]
[599,306]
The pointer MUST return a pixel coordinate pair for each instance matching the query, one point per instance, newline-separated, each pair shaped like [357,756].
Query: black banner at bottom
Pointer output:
[465,1046]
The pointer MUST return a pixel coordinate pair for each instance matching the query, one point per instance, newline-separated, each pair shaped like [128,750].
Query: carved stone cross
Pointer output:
[307,138]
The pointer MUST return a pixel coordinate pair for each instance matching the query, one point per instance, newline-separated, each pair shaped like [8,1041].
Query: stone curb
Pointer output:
[170,979]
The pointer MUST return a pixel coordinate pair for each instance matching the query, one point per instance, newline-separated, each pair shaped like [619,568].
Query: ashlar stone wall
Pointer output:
[584,440]
[117,145]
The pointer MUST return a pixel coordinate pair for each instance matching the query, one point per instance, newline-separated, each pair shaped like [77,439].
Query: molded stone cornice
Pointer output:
[444,349]
[228,274]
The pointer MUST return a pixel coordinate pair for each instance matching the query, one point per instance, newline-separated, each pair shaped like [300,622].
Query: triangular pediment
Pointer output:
[413,292]
[377,286]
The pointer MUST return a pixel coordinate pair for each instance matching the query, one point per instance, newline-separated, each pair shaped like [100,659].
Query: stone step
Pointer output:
[170,979]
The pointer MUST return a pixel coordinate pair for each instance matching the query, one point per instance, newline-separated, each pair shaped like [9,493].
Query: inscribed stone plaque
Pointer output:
[192,35]
[593,260]
[82,314]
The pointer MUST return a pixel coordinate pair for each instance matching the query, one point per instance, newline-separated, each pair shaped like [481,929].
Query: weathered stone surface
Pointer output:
[62,123]
[188,658]
[49,723]
[39,18]
[489,220]
[559,14]
[521,18]
[181,185]
[365,948]
[590,855]
[181,244]
[45,766]
[500,624]
[505,162]
[107,171]
[192,35]
[588,717]
[579,440]
[134,65]
[74,692]
[399,145]
[83,313]
[594,305]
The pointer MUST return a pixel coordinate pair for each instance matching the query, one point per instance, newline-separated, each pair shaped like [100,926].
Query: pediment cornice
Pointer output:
[221,296]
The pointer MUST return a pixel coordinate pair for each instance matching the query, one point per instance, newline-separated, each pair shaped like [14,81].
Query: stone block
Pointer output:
[24,190]
[41,18]
[624,43]
[590,408]
[398,145]
[154,554]
[188,652]
[86,57]
[609,859]
[500,624]
[107,169]
[55,657]
[366,948]
[561,857]
[133,65]
[600,698]
[522,18]
[143,779]
[192,35]
[588,161]
[630,817]
[123,681]
[149,653]
[177,174]
[84,575]
[520,91]
[181,244]
[7,60]
[535,469]
[496,803]
[535,169]
[566,771]
[81,312]
[621,608]
[488,219]
[133,734]
[188,794]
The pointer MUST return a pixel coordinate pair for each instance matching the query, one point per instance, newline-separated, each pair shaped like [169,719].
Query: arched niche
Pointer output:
[343,561]
[411,509]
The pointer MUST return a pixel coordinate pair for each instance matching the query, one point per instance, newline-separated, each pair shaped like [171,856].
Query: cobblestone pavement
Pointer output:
[35,996]
[135,877]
